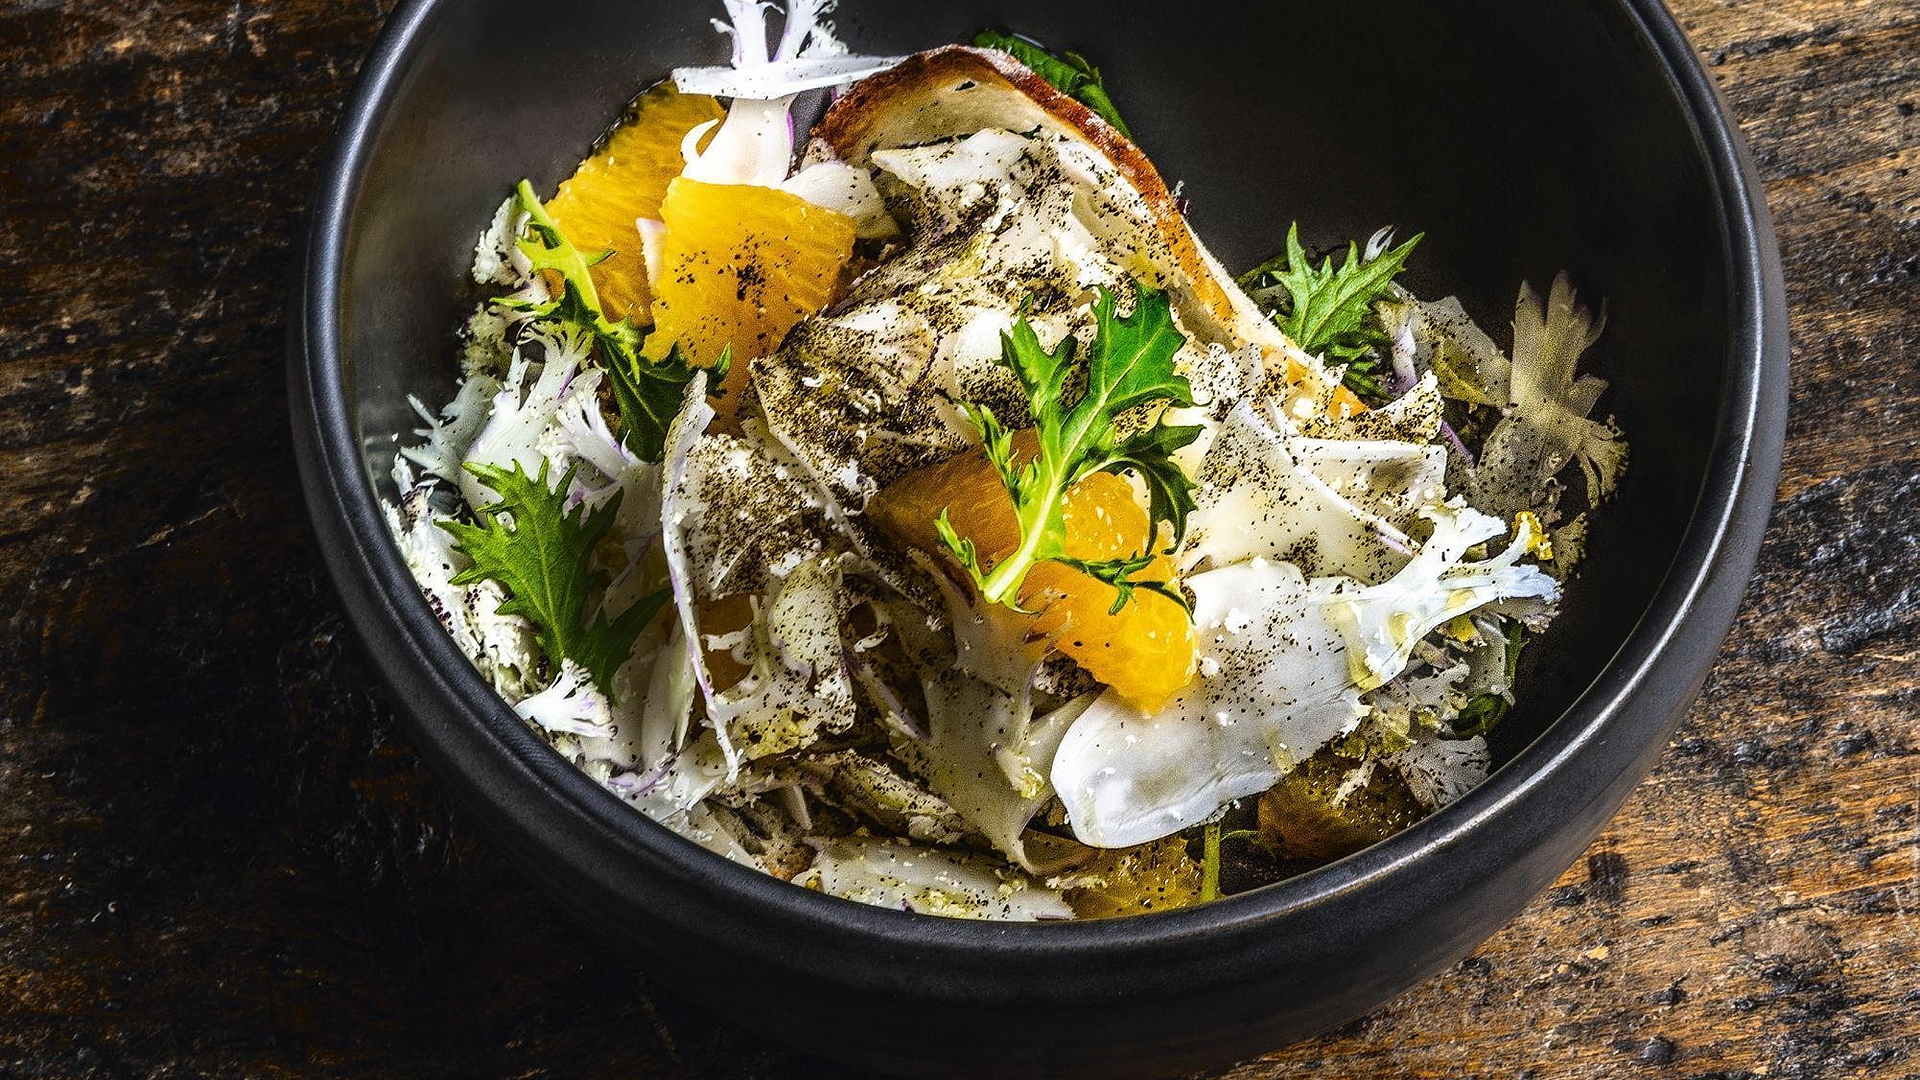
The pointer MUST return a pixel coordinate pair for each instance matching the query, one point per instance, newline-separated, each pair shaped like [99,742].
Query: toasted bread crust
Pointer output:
[956,90]
[921,101]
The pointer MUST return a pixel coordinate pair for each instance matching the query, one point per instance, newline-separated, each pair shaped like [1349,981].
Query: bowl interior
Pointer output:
[1522,138]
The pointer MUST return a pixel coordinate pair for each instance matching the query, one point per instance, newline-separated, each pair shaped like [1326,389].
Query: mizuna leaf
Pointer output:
[1329,310]
[542,555]
[1070,73]
[647,393]
[1129,366]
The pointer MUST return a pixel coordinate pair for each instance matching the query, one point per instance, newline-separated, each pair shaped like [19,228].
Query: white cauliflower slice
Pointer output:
[1382,623]
[1545,426]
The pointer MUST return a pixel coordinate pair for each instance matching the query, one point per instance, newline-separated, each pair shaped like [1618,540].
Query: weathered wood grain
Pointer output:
[218,857]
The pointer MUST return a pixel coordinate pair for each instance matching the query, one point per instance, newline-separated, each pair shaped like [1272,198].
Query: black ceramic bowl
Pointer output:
[1523,137]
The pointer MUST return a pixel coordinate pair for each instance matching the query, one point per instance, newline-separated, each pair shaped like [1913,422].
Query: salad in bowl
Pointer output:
[909,506]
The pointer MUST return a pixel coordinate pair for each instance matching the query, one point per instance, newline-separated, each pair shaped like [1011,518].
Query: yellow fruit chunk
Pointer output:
[624,181]
[739,267]
[1144,652]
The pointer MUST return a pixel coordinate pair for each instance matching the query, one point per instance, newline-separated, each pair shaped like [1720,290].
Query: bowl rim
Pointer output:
[453,709]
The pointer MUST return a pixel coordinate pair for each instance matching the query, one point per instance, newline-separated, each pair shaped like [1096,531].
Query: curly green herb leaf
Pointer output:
[1329,310]
[542,554]
[1119,574]
[1130,365]
[647,393]
[1069,72]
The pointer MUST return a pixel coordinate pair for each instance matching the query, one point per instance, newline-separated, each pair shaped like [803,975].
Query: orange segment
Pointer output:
[1343,398]
[739,267]
[1145,652]
[627,180]
[724,616]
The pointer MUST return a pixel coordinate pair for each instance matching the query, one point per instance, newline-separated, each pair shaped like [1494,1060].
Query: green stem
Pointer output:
[575,264]
[1011,573]
[1210,862]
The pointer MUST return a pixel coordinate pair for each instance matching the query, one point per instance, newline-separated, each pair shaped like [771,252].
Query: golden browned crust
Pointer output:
[957,90]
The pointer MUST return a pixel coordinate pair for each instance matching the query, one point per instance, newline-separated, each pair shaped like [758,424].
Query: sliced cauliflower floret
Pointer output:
[1382,623]
[1545,426]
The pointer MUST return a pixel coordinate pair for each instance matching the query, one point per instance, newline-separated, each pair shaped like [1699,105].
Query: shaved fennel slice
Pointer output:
[668,707]
[780,78]
[982,633]
[754,144]
[669,790]
[685,430]
[703,826]
[1273,688]
[901,876]
[843,394]
[803,614]
[1382,623]
[747,515]
[988,757]
[637,524]
[1414,416]
[837,186]
[874,790]
[1439,771]
[1330,506]
[796,685]
[1221,381]
[983,752]
[1546,425]
[674,795]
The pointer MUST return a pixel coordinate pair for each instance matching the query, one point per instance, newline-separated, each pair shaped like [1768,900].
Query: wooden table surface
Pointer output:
[219,857]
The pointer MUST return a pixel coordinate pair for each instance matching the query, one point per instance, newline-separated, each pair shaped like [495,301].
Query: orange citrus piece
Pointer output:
[624,181]
[739,267]
[724,616]
[1144,652]
[1343,398]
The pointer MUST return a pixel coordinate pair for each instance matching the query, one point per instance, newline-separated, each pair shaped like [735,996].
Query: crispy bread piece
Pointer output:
[956,91]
